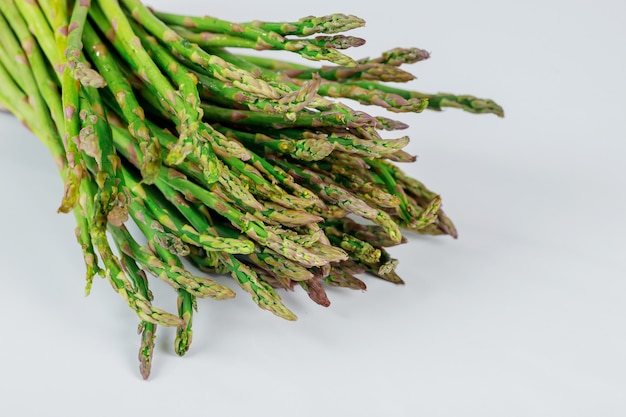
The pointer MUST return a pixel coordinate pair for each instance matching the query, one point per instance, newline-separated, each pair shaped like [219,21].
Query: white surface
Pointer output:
[523,315]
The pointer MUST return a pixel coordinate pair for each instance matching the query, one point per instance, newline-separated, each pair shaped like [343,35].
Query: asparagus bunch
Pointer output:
[243,165]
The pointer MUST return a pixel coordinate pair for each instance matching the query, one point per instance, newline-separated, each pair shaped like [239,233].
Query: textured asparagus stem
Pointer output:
[115,274]
[219,40]
[39,26]
[37,62]
[227,95]
[304,149]
[366,71]
[380,70]
[310,25]
[214,66]
[95,140]
[197,133]
[278,121]
[16,101]
[182,112]
[214,40]
[392,102]
[70,88]
[146,329]
[320,103]
[125,97]
[18,67]
[74,51]
[331,88]
[264,39]
[160,262]
[438,101]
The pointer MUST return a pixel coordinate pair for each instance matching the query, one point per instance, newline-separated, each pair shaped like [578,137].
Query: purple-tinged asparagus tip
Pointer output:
[316,291]
[390,124]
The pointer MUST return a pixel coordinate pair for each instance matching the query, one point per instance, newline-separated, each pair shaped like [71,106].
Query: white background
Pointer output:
[523,315]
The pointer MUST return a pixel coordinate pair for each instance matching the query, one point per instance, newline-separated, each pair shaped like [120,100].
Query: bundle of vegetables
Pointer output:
[237,164]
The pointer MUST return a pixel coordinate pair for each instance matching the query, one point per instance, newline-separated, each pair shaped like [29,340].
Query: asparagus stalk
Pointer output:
[242,165]
[310,25]
[146,329]
[122,91]
[264,39]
